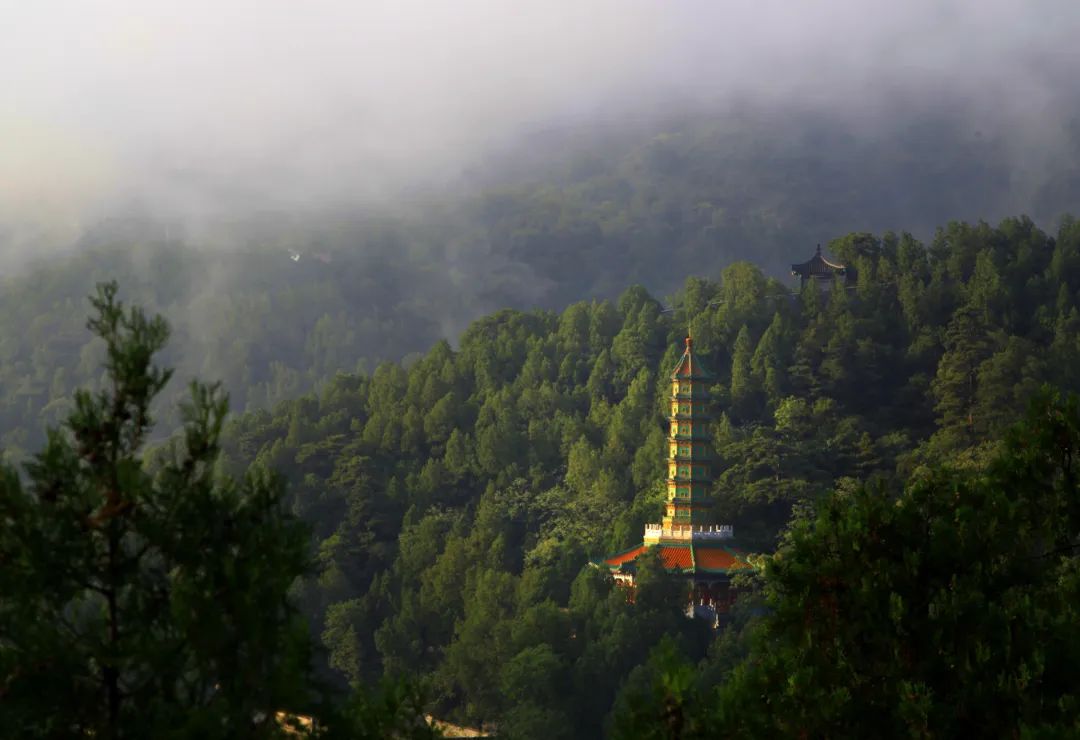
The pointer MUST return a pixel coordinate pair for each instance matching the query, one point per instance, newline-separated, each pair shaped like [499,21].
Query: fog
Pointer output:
[196,108]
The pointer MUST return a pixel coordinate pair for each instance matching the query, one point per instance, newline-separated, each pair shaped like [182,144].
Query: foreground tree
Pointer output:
[139,603]
[953,611]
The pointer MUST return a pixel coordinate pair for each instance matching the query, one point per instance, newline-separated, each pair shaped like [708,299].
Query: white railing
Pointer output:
[657,532]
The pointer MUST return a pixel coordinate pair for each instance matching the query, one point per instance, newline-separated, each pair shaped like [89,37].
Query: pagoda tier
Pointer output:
[689,455]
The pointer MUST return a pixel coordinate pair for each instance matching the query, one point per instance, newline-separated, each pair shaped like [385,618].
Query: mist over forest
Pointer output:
[427,168]
[442,259]
[275,302]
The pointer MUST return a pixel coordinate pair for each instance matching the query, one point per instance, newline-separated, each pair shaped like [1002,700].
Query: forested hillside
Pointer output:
[268,327]
[563,215]
[337,345]
[455,500]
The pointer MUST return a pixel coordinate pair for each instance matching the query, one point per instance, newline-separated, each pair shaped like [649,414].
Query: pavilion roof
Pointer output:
[817,265]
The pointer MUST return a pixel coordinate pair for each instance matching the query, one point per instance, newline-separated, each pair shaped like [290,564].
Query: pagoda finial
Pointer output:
[689,341]
[818,250]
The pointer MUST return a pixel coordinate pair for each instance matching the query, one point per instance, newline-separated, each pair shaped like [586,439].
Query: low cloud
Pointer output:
[199,108]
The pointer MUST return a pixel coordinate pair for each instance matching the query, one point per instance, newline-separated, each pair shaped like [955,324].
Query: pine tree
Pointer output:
[744,386]
[140,603]
[955,388]
[599,384]
[770,359]
[967,625]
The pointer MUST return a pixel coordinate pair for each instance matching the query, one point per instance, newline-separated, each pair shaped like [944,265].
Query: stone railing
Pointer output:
[687,533]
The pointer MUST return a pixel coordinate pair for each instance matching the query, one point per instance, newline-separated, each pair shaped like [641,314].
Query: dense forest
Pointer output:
[914,549]
[455,500]
[462,432]
[398,371]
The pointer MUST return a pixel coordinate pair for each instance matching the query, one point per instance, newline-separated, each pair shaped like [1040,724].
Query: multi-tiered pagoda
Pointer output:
[690,545]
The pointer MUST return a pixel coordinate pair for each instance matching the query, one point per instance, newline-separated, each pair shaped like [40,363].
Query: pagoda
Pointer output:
[819,269]
[690,545]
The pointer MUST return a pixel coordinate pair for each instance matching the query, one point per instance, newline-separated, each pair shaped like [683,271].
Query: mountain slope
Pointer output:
[455,501]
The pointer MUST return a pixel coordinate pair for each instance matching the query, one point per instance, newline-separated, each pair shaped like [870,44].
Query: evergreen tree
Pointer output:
[138,602]
[744,386]
[770,360]
[956,386]
[967,627]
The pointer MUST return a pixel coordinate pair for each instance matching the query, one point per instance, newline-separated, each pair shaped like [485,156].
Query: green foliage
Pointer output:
[948,611]
[659,698]
[584,212]
[146,595]
[269,328]
[138,602]
[455,497]
[392,711]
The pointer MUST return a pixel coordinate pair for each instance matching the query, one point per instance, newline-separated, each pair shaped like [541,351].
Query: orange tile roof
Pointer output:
[625,557]
[718,558]
[676,557]
[710,558]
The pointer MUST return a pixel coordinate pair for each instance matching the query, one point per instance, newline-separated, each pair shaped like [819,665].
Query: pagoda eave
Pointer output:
[683,558]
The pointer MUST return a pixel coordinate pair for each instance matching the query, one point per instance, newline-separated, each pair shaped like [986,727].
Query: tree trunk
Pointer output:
[111,671]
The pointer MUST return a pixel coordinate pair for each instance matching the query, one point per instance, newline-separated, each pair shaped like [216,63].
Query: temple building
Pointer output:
[819,269]
[690,545]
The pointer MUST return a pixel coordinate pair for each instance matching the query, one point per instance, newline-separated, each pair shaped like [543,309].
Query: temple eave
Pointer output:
[683,558]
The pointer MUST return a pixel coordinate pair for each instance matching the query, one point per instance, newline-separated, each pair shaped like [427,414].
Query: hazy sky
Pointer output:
[270,103]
